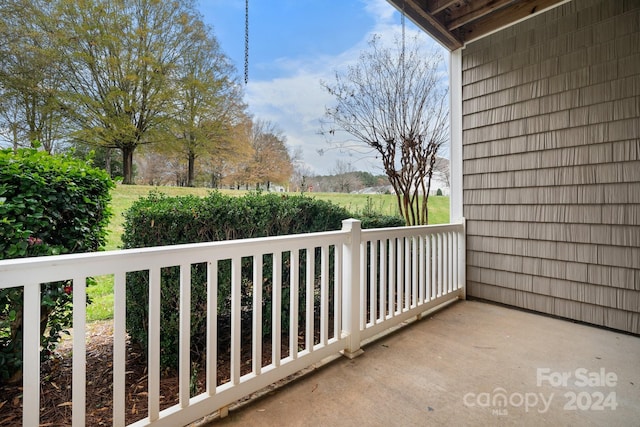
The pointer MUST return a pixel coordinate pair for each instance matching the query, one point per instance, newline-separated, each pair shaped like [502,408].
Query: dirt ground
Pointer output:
[56,380]
[55,392]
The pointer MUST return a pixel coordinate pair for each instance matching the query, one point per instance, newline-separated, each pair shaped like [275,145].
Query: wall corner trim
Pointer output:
[455,117]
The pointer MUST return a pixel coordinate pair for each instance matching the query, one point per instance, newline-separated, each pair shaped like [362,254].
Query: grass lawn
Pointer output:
[123,197]
[385,204]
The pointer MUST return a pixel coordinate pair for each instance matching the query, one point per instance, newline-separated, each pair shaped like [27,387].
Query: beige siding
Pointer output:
[551,163]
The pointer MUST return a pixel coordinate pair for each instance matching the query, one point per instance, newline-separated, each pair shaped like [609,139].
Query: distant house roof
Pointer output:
[456,22]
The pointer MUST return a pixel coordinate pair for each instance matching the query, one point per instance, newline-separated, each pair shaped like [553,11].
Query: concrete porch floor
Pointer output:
[453,366]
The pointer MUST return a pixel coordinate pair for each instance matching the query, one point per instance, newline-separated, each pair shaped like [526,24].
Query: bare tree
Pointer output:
[156,169]
[344,179]
[11,128]
[301,171]
[394,101]
[441,171]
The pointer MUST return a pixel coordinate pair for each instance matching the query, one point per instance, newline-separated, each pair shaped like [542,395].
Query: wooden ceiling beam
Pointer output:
[429,23]
[474,10]
[504,17]
[456,22]
[437,6]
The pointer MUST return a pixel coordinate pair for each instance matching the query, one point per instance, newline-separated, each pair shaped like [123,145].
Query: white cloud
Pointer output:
[296,102]
[382,10]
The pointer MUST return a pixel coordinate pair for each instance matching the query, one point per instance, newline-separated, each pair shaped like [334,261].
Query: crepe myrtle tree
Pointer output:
[394,100]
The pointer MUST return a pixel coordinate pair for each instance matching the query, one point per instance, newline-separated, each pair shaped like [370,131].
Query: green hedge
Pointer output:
[159,220]
[380,221]
[49,205]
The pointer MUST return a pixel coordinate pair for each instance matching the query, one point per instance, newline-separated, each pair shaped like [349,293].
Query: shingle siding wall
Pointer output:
[551,149]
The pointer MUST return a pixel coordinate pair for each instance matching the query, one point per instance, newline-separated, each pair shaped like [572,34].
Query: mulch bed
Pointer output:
[56,380]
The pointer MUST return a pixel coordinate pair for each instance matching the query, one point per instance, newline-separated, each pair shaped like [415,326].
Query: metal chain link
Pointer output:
[246,42]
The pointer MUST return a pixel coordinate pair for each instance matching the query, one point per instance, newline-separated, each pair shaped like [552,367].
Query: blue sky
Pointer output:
[293,45]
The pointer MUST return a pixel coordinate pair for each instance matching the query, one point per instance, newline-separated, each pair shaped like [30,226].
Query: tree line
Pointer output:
[107,79]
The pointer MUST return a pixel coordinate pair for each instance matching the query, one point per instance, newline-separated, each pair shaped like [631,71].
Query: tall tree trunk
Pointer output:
[107,161]
[127,165]
[14,129]
[191,169]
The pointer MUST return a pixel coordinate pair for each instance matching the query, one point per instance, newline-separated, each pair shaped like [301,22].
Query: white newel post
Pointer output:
[351,288]
[462,261]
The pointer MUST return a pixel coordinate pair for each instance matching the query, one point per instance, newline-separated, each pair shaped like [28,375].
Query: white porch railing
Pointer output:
[368,281]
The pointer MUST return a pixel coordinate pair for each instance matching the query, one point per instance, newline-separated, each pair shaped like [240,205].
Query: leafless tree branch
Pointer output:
[394,101]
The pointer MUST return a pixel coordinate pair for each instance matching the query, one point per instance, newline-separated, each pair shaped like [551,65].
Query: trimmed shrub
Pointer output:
[158,220]
[49,205]
[381,221]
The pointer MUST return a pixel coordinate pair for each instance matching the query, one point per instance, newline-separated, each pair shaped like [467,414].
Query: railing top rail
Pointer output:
[23,271]
[410,231]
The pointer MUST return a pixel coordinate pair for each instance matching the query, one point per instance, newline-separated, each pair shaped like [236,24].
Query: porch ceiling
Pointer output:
[456,22]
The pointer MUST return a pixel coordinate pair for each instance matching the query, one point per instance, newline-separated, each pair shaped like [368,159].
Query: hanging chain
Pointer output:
[403,51]
[403,64]
[246,42]
[402,18]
